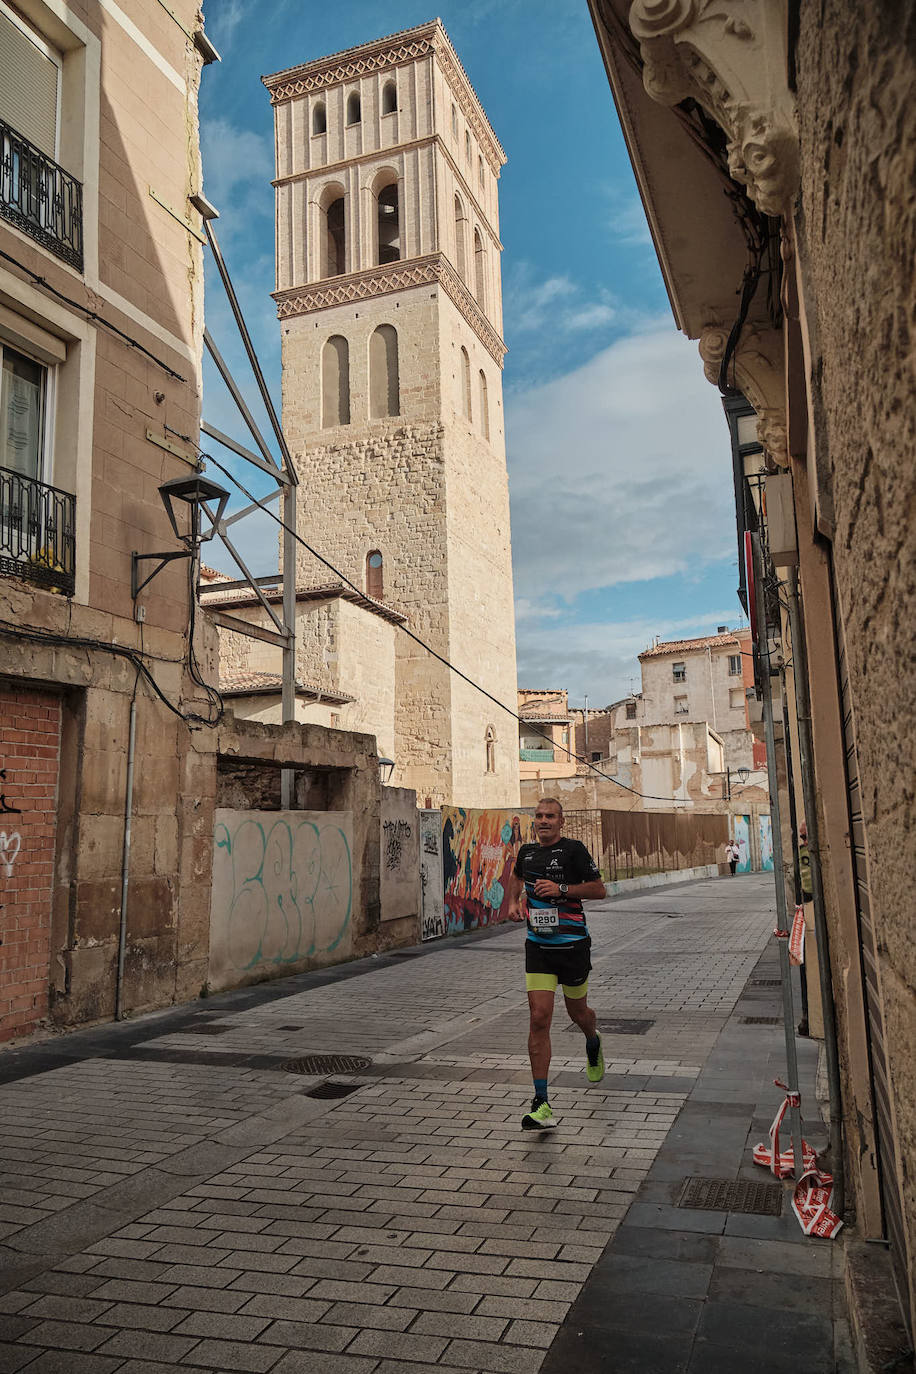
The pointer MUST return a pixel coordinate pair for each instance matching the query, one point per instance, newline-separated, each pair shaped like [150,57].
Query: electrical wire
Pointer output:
[93,315]
[645,796]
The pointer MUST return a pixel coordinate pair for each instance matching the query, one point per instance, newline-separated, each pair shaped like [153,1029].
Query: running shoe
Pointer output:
[595,1071]
[540,1118]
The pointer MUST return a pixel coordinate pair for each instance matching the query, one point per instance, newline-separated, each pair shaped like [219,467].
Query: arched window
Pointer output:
[320,118]
[375,569]
[354,108]
[490,742]
[460,250]
[465,384]
[480,176]
[389,98]
[384,383]
[389,224]
[335,382]
[484,407]
[334,238]
[467,145]
[480,270]
[454,121]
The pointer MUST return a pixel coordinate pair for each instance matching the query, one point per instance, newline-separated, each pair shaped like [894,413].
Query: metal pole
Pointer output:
[125,857]
[809,795]
[804,1028]
[782,924]
[288,693]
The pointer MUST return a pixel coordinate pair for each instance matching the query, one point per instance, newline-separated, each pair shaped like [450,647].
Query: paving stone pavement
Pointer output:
[171,1198]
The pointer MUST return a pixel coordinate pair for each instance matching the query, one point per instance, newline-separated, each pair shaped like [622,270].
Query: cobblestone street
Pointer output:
[172,1198]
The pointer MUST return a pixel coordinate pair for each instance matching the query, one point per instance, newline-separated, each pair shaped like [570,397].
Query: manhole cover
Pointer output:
[327,1063]
[619,1025]
[732,1195]
[761,1021]
[326,1090]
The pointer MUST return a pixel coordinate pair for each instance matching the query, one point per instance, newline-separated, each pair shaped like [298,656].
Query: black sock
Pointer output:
[592,1046]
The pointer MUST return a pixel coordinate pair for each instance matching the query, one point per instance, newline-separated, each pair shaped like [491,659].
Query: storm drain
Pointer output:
[760,1021]
[327,1063]
[619,1025]
[732,1195]
[329,1090]
[765,982]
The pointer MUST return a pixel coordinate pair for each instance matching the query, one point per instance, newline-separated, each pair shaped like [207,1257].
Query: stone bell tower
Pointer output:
[389,300]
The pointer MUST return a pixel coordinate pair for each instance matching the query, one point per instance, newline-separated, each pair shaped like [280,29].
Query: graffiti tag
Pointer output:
[396,833]
[5,808]
[9,848]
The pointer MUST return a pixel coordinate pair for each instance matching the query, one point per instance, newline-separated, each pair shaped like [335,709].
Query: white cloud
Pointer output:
[238,165]
[619,471]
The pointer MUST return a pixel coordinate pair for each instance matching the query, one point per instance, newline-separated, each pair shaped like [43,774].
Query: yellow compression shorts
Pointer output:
[547,982]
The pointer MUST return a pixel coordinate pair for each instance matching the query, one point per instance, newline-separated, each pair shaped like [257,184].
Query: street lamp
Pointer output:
[385,770]
[194,492]
[742,775]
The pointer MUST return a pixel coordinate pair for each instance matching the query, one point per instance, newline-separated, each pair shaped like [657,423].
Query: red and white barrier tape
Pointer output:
[795,937]
[814,1190]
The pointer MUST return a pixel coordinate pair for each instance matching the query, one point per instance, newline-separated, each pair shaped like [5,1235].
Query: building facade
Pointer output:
[803,115]
[546,746]
[389,300]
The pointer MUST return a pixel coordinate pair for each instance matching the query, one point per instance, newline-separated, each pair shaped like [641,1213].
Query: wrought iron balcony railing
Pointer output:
[37,532]
[40,198]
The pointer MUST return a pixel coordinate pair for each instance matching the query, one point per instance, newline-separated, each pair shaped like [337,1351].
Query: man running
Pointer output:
[555,875]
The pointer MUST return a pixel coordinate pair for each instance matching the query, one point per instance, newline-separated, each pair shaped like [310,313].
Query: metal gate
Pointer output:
[884,1122]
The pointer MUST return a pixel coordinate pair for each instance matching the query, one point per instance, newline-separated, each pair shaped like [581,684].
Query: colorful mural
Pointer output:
[478,852]
[766,843]
[742,837]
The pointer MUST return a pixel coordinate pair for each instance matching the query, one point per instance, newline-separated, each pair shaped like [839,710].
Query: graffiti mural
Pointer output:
[432,908]
[766,843]
[399,877]
[478,852]
[282,890]
[743,841]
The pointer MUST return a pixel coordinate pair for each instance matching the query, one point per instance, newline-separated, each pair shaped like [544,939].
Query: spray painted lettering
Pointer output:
[396,834]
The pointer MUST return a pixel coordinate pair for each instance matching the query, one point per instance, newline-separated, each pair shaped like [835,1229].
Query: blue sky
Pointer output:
[623,520]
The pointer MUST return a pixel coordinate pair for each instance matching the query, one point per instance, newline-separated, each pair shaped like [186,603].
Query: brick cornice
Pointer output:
[434,269]
[395,51]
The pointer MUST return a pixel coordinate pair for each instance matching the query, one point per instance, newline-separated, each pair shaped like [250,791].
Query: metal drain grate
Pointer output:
[327,1063]
[329,1090]
[732,1195]
[619,1025]
[761,1021]
[765,982]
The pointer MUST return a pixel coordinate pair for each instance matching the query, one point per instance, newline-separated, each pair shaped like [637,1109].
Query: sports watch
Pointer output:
[564,889]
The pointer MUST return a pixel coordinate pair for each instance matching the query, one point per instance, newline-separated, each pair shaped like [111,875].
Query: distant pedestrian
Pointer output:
[733,856]
[554,876]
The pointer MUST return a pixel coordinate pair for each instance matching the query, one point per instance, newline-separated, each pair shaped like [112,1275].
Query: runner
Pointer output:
[554,876]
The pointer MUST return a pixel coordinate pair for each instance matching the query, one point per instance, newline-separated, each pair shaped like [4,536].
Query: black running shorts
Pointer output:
[568,965]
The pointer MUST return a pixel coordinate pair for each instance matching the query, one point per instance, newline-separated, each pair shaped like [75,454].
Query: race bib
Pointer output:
[544,919]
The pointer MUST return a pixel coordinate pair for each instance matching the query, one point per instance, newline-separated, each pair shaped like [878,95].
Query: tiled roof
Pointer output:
[237,597]
[249,682]
[681,646]
[544,713]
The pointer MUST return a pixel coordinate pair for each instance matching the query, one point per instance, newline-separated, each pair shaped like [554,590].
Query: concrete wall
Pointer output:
[400,857]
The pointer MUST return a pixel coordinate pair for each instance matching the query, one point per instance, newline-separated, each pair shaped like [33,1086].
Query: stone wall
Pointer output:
[857,241]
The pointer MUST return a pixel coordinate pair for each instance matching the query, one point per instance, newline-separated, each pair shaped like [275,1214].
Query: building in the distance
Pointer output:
[389,300]
[545,735]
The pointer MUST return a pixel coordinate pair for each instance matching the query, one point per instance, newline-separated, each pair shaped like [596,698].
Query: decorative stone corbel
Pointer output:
[759,374]
[729,56]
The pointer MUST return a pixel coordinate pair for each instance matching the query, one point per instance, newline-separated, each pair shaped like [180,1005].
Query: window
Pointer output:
[335,382]
[480,270]
[596,755]
[23,414]
[631,710]
[389,224]
[484,407]
[736,698]
[375,567]
[490,741]
[679,672]
[389,98]
[460,252]
[320,118]
[454,121]
[384,383]
[465,384]
[29,84]
[334,244]
[354,108]
[467,145]
[734,665]
[680,706]
[480,176]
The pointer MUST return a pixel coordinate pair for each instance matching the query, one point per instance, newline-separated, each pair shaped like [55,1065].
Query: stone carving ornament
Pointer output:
[729,56]
[758,374]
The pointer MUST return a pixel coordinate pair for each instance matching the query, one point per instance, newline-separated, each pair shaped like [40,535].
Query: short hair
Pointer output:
[551,801]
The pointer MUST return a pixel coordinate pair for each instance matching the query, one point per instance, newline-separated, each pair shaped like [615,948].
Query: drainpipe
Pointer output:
[125,857]
[782,923]
[806,760]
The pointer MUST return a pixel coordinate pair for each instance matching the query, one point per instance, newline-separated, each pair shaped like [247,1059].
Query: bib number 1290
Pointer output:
[544,920]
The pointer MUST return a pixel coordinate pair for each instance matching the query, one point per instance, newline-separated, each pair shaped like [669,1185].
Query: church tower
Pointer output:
[389,300]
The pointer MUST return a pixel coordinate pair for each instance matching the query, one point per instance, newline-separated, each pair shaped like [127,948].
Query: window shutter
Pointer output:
[28,88]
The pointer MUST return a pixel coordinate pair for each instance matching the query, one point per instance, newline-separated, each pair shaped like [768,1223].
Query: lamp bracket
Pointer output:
[136,558]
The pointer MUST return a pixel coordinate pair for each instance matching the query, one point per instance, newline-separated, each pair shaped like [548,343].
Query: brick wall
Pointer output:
[29,755]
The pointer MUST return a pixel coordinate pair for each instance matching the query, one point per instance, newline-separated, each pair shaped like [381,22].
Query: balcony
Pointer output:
[37,532]
[536,755]
[40,198]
